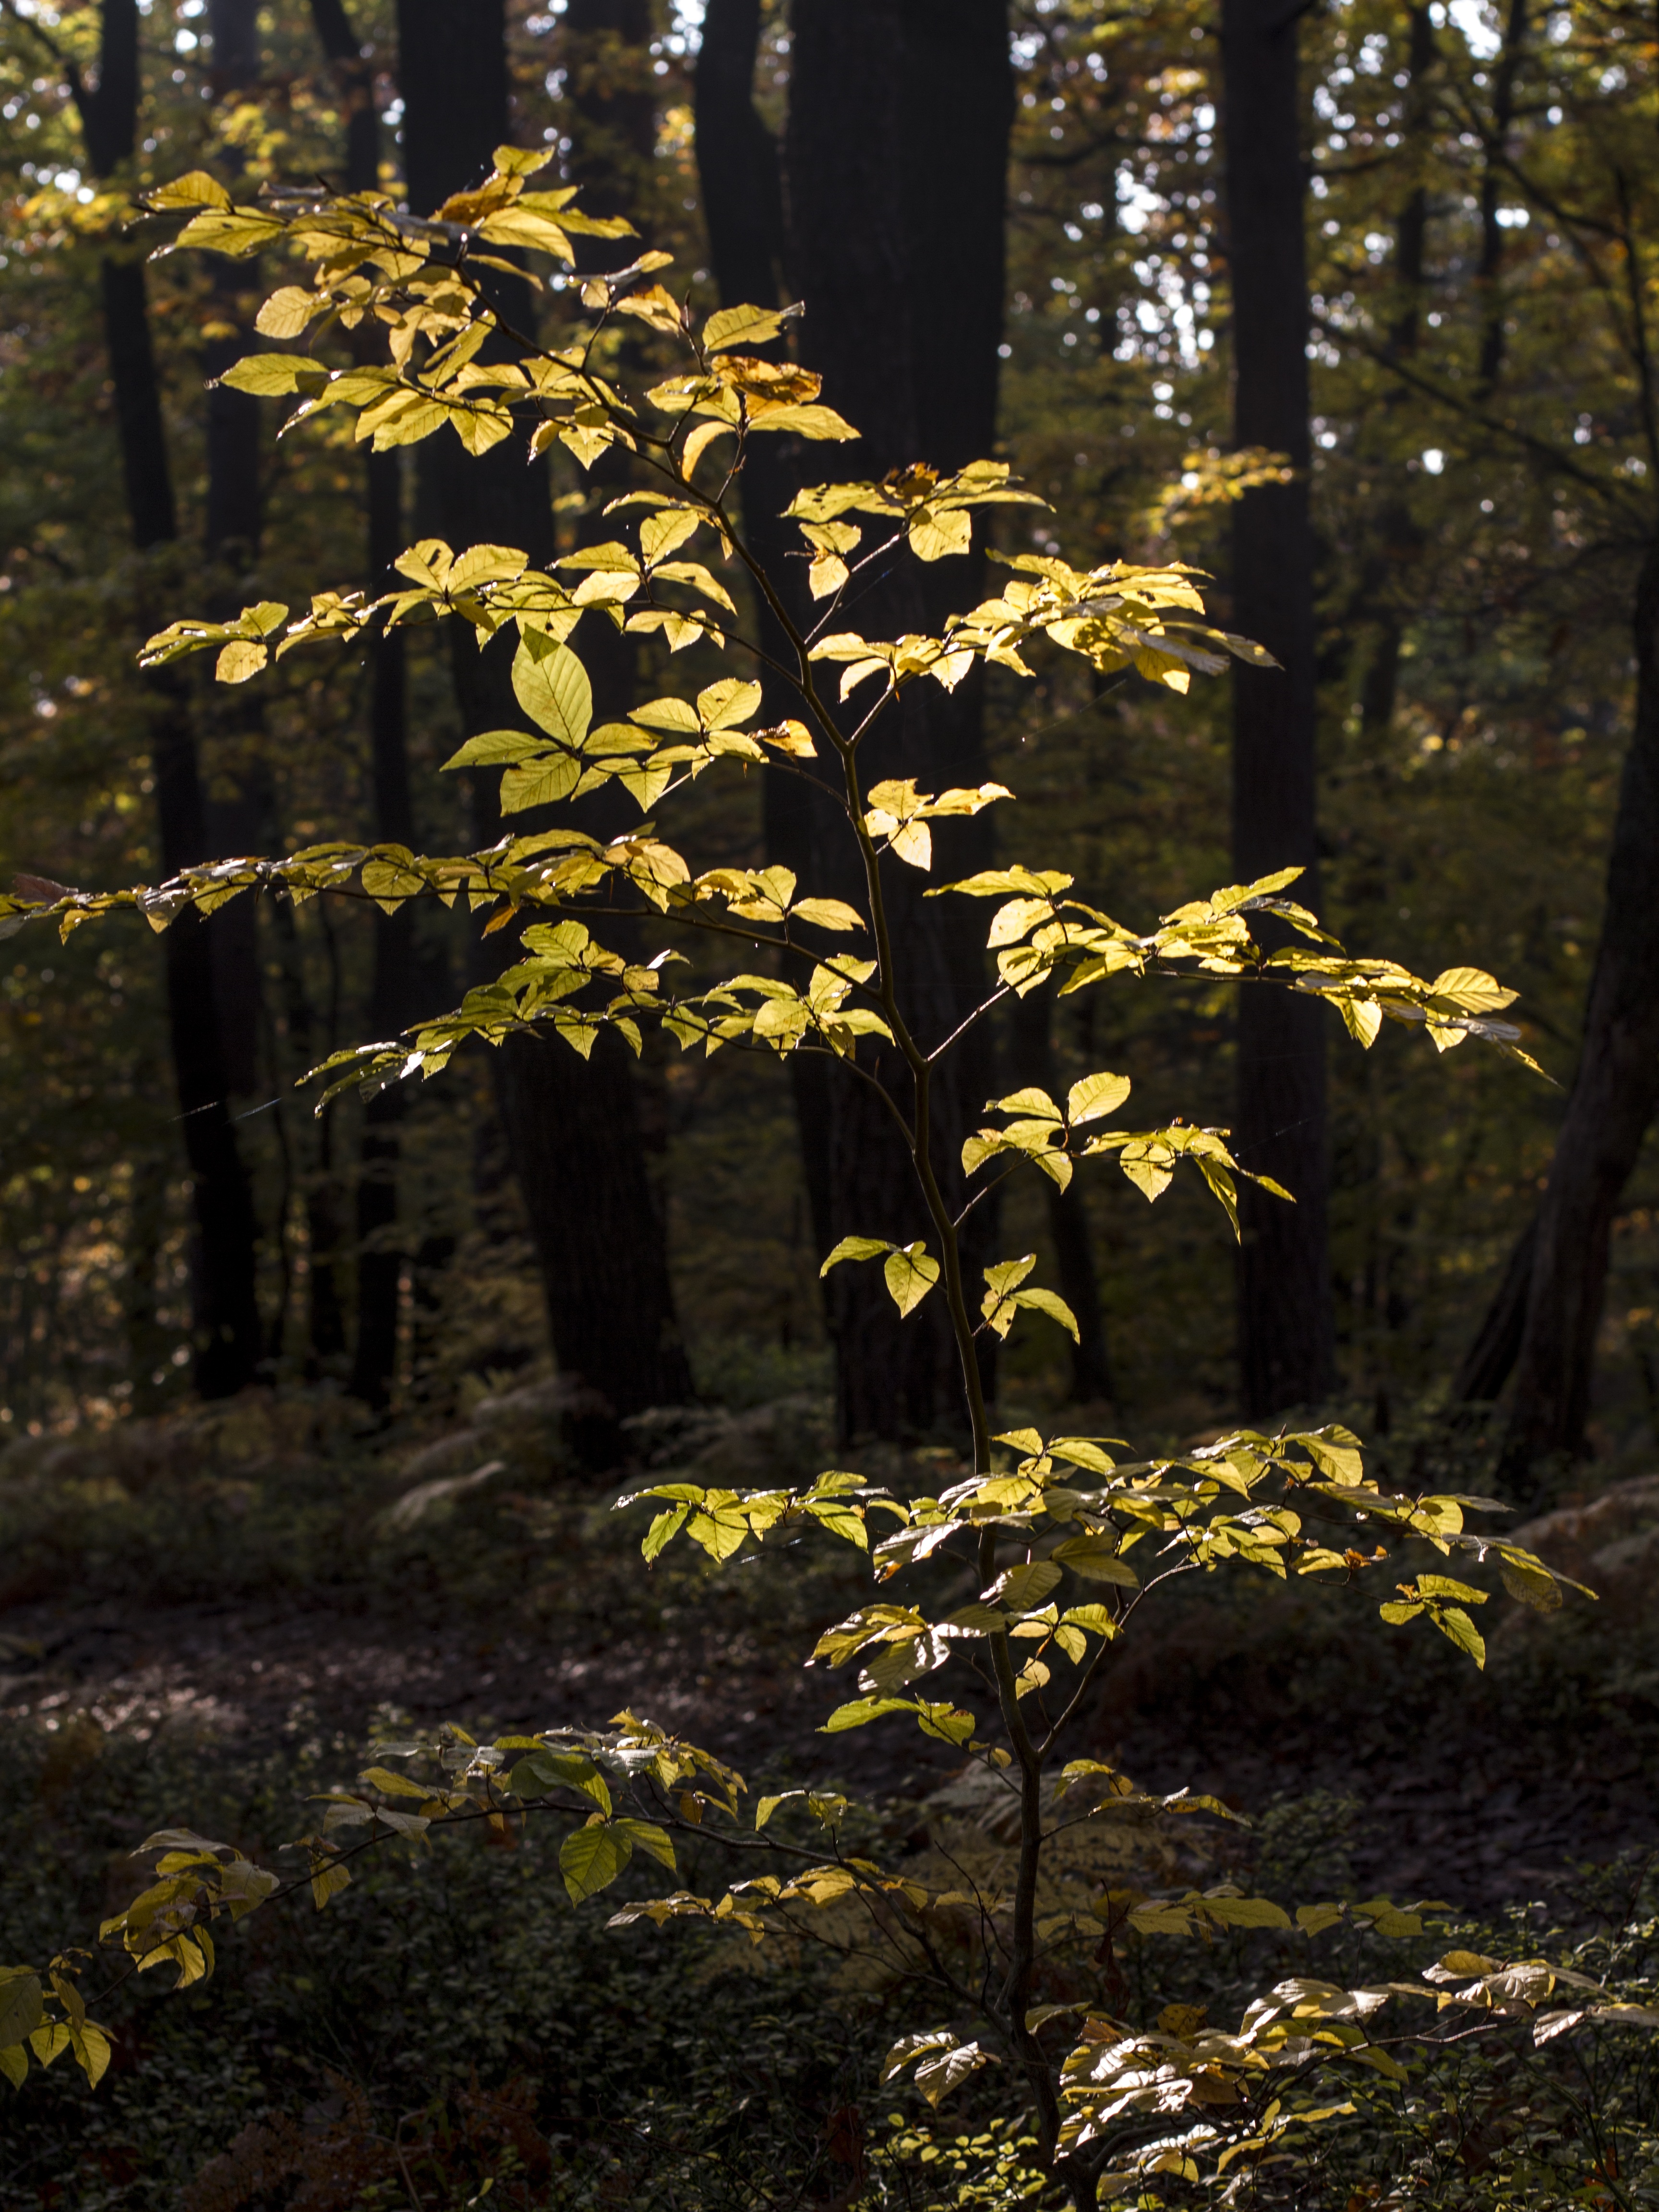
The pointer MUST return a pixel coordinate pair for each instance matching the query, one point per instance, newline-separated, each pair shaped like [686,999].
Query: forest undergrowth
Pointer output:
[211,1617]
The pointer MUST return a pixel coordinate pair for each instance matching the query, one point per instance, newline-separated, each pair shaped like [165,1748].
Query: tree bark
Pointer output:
[896,178]
[1286,1329]
[742,180]
[392,994]
[353,73]
[1614,1095]
[233,721]
[573,1126]
[1493,182]
[223,1247]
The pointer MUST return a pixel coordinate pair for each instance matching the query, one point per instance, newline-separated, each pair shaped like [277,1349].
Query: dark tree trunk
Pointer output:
[742,180]
[1494,183]
[353,73]
[224,1306]
[1285,1324]
[895,178]
[1490,1360]
[1399,541]
[392,994]
[606,52]
[233,721]
[226,1312]
[1613,1101]
[573,1126]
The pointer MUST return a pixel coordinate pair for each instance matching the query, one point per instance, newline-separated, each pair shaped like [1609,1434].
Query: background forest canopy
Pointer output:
[1472,471]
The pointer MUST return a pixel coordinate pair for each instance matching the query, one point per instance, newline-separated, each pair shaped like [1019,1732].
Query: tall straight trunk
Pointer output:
[742,180]
[1614,1096]
[896,167]
[391,996]
[223,1249]
[233,523]
[1494,182]
[599,1236]
[1286,1329]
[353,75]
[1399,541]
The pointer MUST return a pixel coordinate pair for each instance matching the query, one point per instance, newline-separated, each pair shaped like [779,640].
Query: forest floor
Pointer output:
[207,1619]
[1479,1792]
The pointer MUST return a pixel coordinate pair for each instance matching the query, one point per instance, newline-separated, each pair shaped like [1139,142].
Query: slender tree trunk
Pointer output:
[598,1235]
[223,1247]
[1613,1098]
[896,168]
[1285,1324]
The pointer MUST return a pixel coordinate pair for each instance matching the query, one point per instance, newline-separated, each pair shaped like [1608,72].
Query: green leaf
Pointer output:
[1094,1559]
[392,1785]
[744,326]
[1094,1095]
[194,189]
[1453,1622]
[1531,1585]
[552,687]
[827,913]
[1024,1587]
[545,1769]
[14,2064]
[1247,1912]
[273,375]
[855,1247]
[664,1530]
[862,1710]
[591,1858]
[724,705]
[1444,1586]
[21,2009]
[646,1836]
[909,1275]
[1049,1303]
[495,749]
[91,2045]
[807,421]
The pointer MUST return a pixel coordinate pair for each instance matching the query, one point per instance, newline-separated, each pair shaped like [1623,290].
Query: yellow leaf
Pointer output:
[909,1275]
[828,913]
[742,327]
[327,1881]
[240,659]
[1094,1095]
[551,685]
[807,421]
[699,443]
[194,189]
[656,308]
[791,737]
[934,535]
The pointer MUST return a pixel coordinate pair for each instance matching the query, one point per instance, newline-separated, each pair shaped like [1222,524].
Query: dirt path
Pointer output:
[1475,1823]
